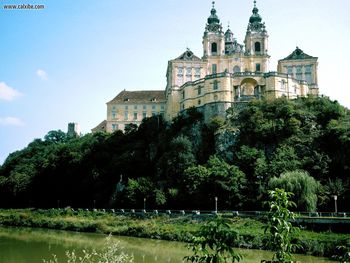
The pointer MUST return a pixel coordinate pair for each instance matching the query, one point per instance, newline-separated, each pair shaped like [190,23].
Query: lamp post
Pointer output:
[335,204]
[216,204]
[144,204]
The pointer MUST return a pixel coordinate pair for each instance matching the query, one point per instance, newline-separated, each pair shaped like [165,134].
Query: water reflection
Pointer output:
[27,245]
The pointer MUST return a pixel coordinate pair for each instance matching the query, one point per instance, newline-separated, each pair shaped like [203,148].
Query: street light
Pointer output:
[144,204]
[335,203]
[216,204]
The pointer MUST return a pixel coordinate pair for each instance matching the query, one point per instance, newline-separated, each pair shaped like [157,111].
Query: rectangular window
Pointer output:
[308,78]
[162,107]
[308,69]
[144,114]
[114,127]
[144,107]
[215,84]
[257,67]
[126,107]
[180,75]
[197,73]
[188,74]
[114,115]
[126,115]
[299,75]
[135,107]
[180,71]
[199,91]
[283,85]
[153,107]
[213,69]
[135,115]
[290,71]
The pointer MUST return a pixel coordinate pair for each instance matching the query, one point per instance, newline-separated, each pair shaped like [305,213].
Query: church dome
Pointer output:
[255,17]
[213,18]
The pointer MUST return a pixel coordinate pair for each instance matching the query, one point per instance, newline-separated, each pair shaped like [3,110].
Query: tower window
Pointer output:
[257,46]
[214,48]
[199,102]
[213,69]
[257,67]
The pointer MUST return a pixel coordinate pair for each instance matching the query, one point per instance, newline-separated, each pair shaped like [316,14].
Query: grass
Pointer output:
[161,227]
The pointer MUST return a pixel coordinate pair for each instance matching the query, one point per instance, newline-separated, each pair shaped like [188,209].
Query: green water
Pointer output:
[23,245]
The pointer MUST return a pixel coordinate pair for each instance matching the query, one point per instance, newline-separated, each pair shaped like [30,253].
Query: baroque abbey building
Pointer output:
[228,74]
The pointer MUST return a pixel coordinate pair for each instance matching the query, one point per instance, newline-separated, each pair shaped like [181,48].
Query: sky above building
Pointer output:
[63,63]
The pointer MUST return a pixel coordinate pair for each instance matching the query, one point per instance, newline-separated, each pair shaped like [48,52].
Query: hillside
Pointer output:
[187,163]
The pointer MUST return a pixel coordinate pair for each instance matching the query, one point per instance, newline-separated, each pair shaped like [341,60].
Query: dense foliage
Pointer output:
[214,243]
[187,163]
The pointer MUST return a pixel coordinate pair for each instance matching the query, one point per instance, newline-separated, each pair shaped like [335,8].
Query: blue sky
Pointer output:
[63,63]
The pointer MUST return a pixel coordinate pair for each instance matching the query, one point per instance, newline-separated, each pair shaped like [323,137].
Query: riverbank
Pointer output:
[166,227]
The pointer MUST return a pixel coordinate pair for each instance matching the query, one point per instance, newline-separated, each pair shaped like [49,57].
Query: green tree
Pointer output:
[303,186]
[279,229]
[55,136]
[214,243]
[130,128]
[229,181]
[139,188]
[283,160]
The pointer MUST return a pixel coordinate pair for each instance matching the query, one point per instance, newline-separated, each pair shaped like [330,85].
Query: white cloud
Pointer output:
[42,74]
[8,93]
[11,121]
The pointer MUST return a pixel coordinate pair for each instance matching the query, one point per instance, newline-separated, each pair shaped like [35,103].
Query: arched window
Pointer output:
[257,46]
[214,48]
[236,69]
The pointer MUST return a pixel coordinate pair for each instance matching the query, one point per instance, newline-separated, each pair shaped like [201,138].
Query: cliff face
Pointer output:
[225,140]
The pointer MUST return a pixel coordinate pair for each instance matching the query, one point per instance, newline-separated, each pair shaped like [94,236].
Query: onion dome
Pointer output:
[213,18]
[255,18]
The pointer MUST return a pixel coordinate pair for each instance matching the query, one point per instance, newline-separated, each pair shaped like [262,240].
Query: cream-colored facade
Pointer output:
[228,74]
[132,107]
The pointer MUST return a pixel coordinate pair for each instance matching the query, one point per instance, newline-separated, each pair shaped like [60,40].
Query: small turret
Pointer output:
[229,36]
[213,39]
[256,40]
[213,22]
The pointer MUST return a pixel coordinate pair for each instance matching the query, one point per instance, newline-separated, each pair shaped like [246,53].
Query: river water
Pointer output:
[27,245]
